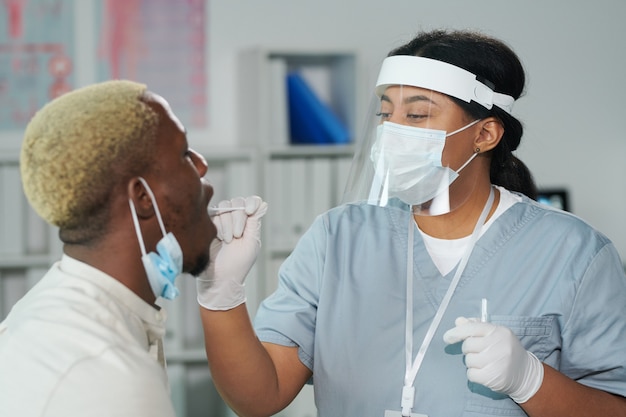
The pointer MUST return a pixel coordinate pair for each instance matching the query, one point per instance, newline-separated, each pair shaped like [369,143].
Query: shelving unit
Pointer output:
[28,246]
[299,181]
[263,92]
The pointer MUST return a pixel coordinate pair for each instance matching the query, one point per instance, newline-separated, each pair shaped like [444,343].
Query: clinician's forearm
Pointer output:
[560,396]
[242,370]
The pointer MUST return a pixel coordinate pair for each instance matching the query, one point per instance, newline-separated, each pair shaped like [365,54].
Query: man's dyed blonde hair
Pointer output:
[78,147]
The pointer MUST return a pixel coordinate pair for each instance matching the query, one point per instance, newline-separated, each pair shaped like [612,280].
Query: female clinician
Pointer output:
[440,288]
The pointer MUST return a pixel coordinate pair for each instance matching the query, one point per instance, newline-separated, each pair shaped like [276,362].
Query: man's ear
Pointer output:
[491,131]
[138,194]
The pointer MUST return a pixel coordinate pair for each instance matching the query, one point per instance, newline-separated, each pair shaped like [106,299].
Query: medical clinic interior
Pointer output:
[223,65]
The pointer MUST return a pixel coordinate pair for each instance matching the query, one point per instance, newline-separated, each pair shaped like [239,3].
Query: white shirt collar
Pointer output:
[153,319]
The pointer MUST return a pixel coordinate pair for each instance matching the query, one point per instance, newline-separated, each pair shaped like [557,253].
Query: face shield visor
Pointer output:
[401,160]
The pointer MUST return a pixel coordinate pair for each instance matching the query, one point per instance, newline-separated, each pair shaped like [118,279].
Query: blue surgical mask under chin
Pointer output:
[164,267]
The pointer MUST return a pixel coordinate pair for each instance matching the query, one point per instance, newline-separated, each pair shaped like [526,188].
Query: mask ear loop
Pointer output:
[467,126]
[468,161]
[476,151]
[137,228]
[156,206]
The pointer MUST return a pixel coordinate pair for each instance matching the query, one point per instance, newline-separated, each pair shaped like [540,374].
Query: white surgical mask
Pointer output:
[407,161]
[164,267]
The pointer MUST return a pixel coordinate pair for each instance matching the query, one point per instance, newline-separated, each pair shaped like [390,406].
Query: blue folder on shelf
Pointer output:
[310,120]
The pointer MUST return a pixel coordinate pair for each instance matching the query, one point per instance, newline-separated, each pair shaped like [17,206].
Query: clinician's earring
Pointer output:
[477,150]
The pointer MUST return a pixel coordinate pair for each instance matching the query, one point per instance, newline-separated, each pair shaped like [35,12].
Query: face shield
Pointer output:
[411,120]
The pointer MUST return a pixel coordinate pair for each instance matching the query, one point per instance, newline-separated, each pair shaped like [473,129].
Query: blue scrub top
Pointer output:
[554,280]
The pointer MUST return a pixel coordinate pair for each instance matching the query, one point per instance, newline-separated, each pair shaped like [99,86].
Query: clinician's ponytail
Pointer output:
[496,65]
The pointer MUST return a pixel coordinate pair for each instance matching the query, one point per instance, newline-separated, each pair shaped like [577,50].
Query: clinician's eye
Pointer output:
[416,117]
[383,116]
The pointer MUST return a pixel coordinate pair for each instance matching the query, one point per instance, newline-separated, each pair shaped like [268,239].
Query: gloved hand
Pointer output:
[496,359]
[233,252]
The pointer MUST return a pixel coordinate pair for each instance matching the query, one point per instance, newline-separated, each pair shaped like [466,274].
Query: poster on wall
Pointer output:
[36,57]
[160,43]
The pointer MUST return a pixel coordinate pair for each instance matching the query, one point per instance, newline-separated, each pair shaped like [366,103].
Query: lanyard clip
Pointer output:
[408,398]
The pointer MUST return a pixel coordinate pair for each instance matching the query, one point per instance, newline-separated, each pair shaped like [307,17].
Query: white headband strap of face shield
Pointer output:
[441,77]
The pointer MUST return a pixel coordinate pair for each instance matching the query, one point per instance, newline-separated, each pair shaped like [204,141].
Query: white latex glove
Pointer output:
[233,252]
[496,359]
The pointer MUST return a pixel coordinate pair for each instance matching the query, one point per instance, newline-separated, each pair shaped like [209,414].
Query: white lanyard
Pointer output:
[412,367]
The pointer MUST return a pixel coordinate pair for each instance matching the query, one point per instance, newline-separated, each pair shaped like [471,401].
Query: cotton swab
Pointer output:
[215,211]
[484,316]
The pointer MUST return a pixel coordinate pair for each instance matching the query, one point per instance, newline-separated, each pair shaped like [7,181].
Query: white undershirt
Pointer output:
[446,253]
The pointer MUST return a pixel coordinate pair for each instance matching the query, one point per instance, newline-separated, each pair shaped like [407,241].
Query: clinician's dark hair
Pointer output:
[496,65]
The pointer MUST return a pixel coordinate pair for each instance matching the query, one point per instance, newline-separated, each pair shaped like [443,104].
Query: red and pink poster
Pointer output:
[36,56]
[161,43]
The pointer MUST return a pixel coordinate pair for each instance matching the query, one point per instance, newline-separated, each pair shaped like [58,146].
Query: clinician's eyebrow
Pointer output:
[411,99]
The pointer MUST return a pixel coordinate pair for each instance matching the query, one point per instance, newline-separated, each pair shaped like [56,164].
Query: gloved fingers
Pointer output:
[467,328]
[238,217]
[252,203]
[255,207]
[214,248]
[230,224]
[478,360]
[477,344]
[209,271]
[261,210]
[218,225]
[453,336]
[462,320]
[483,376]
[224,223]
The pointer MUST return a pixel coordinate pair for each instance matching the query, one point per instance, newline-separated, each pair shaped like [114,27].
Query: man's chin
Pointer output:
[198,267]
